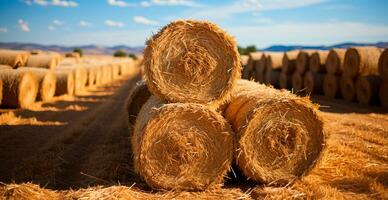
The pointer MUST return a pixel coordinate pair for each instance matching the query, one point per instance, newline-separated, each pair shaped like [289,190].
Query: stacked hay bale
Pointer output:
[178,134]
[19,88]
[48,61]
[13,58]
[361,66]
[260,68]
[244,64]
[47,81]
[249,70]
[274,61]
[302,66]
[288,68]
[180,140]
[383,70]
[334,67]
[313,79]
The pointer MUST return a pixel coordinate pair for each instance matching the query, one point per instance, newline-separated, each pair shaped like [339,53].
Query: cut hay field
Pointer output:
[79,147]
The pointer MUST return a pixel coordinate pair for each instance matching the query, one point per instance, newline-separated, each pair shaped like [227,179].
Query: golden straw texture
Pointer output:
[335,61]
[13,58]
[47,82]
[280,136]
[43,61]
[303,61]
[183,146]
[361,61]
[192,61]
[318,61]
[65,82]
[273,67]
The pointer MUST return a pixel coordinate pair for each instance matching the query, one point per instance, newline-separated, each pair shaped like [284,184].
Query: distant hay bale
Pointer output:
[106,74]
[99,74]
[367,89]
[80,77]
[318,61]
[115,71]
[19,88]
[244,60]
[289,61]
[313,82]
[137,97]
[303,61]
[260,69]
[249,71]
[361,61]
[348,89]
[297,83]
[274,63]
[13,58]
[47,82]
[43,61]
[383,94]
[192,61]
[65,82]
[331,87]
[383,64]
[92,74]
[285,81]
[182,146]
[335,61]
[280,136]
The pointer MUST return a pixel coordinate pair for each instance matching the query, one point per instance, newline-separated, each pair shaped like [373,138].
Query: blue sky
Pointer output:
[130,22]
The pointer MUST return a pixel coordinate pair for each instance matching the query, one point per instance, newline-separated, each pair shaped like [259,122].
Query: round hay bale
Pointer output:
[289,61]
[313,82]
[260,69]
[297,82]
[92,76]
[192,61]
[318,61]
[273,67]
[43,61]
[138,95]
[280,136]
[335,61]
[244,60]
[253,61]
[19,88]
[367,89]
[47,82]
[115,71]
[5,67]
[13,58]
[285,81]
[348,89]
[361,61]
[80,77]
[383,94]
[331,86]
[65,82]
[303,61]
[383,64]
[182,146]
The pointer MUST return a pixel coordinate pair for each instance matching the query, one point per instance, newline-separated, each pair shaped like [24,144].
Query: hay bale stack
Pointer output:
[65,82]
[19,88]
[80,77]
[183,146]
[335,61]
[313,82]
[285,81]
[289,61]
[303,61]
[43,61]
[274,63]
[367,89]
[47,81]
[92,76]
[361,61]
[13,58]
[99,75]
[318,61]
[383,94]
[383,64]
[244,60]
[331,86]
[260,69]
[297,83]
[348,89]
[249,71]
[192,61]
[280,136]
[138,95]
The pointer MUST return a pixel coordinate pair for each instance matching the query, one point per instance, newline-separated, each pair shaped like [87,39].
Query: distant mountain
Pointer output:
[88,49]
[342,45]
[95,49]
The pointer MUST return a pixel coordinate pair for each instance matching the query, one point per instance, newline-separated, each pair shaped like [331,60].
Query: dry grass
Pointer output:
[10,119]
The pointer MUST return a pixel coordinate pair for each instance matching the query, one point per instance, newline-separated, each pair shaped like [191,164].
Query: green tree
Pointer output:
[246,50]
[79,51]
[120,53]
[131,55]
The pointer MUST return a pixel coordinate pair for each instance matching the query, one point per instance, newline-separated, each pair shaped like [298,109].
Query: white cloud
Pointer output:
[23,25]
[3,30]
[188,3]
[51,28]
[85,23]
[119,3]
[325,33]
[145,4]
[57,22]
[143,20]
[61,3]
[114,23]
